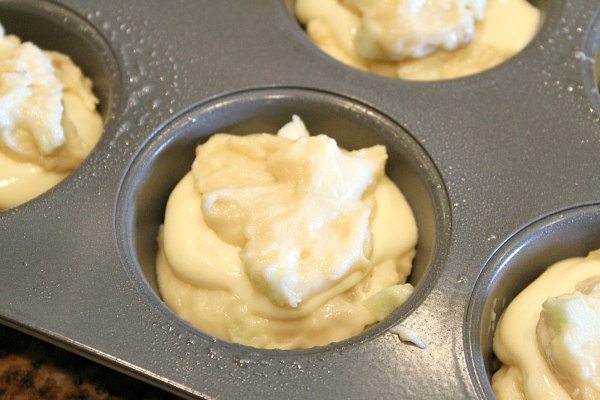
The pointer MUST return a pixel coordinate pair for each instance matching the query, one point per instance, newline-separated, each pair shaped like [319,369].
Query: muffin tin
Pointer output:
[500,169]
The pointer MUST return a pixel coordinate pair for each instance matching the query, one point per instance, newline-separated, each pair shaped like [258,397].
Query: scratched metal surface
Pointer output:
[501,168]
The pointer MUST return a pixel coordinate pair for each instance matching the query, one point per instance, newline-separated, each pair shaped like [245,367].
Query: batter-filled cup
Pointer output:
[285,241]
[420,40]
[48,119]
[548,339]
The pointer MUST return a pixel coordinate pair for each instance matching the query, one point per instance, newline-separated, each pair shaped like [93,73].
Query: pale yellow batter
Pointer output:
[285,241]
[417,40]
[48,119]
[552,351]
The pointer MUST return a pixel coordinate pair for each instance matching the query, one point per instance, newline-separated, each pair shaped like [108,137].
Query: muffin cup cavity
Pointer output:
[54,27]
[168,156]
[549,11]
[517,263]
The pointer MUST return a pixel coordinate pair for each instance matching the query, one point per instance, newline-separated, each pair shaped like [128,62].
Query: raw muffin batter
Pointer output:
[48,119]
[549,336]
[420,40]
[285,241]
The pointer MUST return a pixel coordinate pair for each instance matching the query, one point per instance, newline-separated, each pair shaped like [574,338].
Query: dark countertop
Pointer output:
[33,369]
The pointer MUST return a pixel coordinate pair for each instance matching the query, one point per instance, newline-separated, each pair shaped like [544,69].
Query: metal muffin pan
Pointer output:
[500,168]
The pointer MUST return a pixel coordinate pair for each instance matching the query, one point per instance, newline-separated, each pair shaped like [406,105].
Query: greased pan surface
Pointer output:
[501,169]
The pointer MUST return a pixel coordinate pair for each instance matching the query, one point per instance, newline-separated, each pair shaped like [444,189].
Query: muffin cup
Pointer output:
[518,262]
[168,156]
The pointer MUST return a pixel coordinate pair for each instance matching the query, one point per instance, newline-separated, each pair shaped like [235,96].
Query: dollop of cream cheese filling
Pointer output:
[285,241]
[548,339]
[417,39]
[48,119]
